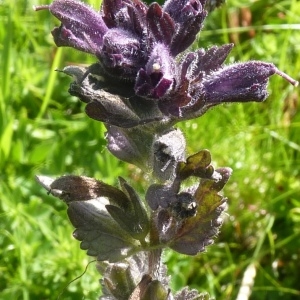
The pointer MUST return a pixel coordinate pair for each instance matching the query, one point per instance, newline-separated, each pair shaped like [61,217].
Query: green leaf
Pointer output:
[155,290]
[6,138]
[126,221]
[118,281]
[196,165]
[99,233]
[197,232]
[139,211]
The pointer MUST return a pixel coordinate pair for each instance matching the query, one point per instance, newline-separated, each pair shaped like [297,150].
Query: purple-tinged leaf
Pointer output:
[224,175]
[71,188]
[159,195]
[136,218]
[197,232]
[184,207]
[109,108]
[168,149]
[124,145]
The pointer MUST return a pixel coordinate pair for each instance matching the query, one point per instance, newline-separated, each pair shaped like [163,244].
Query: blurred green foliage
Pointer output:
[43,130]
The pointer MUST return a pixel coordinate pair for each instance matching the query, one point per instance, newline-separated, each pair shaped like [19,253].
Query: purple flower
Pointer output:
[142,46]
[81,27]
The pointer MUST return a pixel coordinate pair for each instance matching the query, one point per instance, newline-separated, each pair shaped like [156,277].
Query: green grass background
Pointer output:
[43,130]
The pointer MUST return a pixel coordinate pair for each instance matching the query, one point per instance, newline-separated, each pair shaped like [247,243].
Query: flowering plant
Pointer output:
[144,82]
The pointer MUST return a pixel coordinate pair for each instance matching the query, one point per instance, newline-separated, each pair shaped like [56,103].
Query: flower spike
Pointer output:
[144,82]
